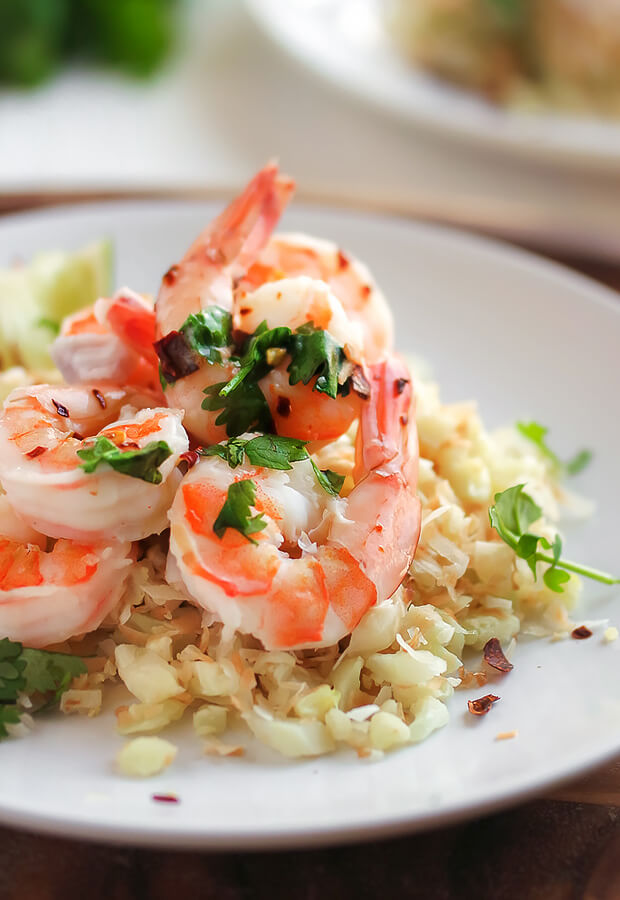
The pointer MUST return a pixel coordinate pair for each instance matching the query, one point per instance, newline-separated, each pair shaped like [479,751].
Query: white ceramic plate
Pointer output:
[345,42]
[524,337]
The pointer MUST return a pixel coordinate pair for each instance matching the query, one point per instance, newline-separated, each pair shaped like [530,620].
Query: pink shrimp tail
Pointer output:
[387,420]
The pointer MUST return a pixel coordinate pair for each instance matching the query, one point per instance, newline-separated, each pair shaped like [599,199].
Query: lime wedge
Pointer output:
[34,299]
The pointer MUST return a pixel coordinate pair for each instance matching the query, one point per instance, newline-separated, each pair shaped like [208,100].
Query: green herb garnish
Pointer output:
[26,671]
[272,451]
[244,409]
[208,331]
[143,463]
[315,353]
[537,433]
[235,512]
[511,515]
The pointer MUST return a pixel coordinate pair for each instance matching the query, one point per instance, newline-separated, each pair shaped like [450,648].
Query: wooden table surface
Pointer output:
[563,846]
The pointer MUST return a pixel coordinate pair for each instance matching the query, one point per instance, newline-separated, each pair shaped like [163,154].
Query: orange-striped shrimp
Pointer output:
[47,596]
[42,429]
[321,561]
[349,280]
[112,341]
[206,276]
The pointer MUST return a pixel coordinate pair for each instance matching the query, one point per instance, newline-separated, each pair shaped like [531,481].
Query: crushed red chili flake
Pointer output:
[399,386]
[176,358]
[165,798]
[245,310]
[494,656]
[360,384]
[36,451]
[191,457]
[99,398]
[343,262]
[60,409]
[404,419]
[581,633]
[171,275]
[283,407]
[365,291]
[481,706]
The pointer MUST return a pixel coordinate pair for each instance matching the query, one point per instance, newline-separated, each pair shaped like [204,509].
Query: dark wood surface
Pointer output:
[562,847]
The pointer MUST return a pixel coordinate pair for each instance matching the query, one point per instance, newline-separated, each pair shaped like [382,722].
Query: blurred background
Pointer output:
[501,115]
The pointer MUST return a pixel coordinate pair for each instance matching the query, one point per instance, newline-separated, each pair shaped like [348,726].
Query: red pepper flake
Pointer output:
[404,419]
[581,633]
[360,384]
[494,656]
[99,398]
[60,409]
[399,386]
[343,262]
[165,798]
[365,291]
[283,407]
[171,276]
[191,457]
[245,310]
[36,451]
[481,706]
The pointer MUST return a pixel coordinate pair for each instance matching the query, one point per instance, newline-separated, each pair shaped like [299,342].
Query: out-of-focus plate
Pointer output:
[345,42]
[523,337]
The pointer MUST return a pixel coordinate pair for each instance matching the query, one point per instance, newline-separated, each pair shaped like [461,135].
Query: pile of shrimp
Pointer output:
[313,622]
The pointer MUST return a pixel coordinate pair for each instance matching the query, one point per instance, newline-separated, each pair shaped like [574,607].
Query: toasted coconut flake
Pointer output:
[481,706]
[506,735]
[214,747]
[494,656]
[581,633]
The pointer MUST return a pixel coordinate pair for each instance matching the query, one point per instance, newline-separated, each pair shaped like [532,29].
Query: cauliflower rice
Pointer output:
[388,684]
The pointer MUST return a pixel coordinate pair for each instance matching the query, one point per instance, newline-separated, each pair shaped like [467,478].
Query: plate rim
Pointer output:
[179,836]
[539,146]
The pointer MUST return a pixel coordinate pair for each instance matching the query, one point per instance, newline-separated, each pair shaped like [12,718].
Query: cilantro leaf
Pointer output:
[513,512]
[253,362]
[9,715]
[143,463]
[315,353]
[50,324]
[45,671]
[235,513]
[244,409]
[31,672]
[272,451]
[208,331]
[329,480]
[537,433]
[12,667]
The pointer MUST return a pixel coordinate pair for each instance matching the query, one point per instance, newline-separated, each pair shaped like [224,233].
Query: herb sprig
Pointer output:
[537,433]
[511,515]
[28,672]
[235,513]
[143,463]
[272,451]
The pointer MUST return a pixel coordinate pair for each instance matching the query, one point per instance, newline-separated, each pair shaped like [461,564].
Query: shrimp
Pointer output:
[111,340]
[206,276]
[48,596]
[42,428]
[290,255]
[321,561]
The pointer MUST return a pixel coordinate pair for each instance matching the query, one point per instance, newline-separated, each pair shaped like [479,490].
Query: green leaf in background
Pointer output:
[537,433]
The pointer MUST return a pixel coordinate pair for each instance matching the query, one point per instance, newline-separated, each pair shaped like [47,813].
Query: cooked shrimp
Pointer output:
[297,410]
[49,596]
[290,255]
[321,561]
[206,276]
[112,341]
[42,428]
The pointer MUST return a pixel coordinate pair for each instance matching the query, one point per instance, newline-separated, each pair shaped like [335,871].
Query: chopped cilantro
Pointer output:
[235,513]
[536,433]
[272,451]
[315,353]
[143,463]
[511,515]
[208,331]
[50,324]
[31,672]
[253,362]
[244,409]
